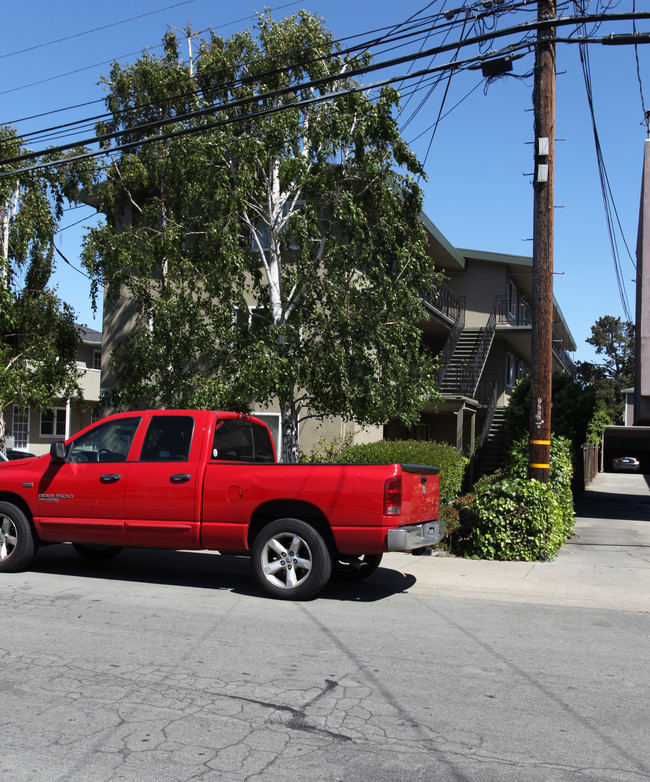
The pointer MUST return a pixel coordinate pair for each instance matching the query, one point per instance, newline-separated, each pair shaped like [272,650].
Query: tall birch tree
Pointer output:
[38,337]
[274,257]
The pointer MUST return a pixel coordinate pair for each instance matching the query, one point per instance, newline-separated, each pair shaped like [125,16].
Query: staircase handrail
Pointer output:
[452,341]
[471,374]
[489,414]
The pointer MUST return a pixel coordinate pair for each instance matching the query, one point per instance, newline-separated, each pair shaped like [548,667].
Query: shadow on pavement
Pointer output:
[202,570]
[596,504]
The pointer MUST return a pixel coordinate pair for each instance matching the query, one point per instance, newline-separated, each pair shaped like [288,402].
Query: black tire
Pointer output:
[17,543]
[355,567]
[290,559]
[98,553]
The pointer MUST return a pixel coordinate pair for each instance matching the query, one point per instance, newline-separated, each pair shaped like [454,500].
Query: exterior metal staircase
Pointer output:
[493,450]
[455,369]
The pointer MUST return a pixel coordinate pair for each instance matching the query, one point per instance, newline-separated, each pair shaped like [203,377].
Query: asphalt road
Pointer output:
[172,666]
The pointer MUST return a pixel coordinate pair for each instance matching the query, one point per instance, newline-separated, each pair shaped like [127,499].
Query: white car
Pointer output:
[626,464]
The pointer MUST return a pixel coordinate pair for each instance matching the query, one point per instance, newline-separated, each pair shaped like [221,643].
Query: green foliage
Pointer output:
[509,516]
[596,428]
[614,340]
[309,215]
[442,455]
[38,338]
[573,408]
[327,451]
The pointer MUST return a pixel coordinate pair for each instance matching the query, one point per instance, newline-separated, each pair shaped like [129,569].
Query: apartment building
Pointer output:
[479,325]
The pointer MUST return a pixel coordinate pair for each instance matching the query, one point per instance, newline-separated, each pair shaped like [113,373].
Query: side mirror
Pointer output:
[58,451]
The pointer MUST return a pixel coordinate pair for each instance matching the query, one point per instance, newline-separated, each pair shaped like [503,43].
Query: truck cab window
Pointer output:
[168,439]
[241,441]
[109,442]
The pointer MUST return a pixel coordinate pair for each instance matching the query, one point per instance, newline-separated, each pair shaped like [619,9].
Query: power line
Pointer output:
[114,59]
[156,125]
[363,45]
[93,30]
[611,214]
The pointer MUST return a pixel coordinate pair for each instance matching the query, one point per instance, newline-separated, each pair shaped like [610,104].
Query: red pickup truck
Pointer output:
[197,479]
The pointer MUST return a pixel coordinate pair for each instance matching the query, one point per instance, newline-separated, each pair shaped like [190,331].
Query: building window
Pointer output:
[513,299]
[97,359]
[20,427]
[53,422]
[95,415]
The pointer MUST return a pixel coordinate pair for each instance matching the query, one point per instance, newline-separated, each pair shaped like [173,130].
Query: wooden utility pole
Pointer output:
[542,337]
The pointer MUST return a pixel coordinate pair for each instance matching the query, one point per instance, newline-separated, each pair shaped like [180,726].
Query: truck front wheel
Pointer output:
[16,539]
[291,560]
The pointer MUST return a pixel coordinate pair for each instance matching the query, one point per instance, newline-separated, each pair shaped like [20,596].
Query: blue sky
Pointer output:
[478,163]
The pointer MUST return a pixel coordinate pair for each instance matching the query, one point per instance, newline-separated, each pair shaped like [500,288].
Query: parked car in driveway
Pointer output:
[626,464]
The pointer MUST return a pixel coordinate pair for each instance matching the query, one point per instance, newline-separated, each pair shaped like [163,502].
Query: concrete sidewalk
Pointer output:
[605,565]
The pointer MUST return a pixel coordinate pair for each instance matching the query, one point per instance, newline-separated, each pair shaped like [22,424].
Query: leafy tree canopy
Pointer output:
[276,254]
[38,338]
[573,409]
[614,341]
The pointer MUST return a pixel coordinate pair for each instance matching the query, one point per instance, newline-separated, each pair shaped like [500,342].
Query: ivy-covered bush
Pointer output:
[510,516]
[446,457]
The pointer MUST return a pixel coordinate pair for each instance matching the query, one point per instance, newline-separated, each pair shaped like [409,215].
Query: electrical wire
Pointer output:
[646,114]
[93,30]
[359,47]
[611,213]
[350,74]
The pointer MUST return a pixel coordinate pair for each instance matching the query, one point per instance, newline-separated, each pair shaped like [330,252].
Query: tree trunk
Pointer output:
[3,439]
[289,413]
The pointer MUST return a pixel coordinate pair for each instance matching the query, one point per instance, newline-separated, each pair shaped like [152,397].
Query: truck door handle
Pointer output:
[180,477]
[111,477]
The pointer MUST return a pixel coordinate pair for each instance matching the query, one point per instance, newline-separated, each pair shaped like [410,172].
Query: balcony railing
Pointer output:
[514,311]
[446,302]
[563,357]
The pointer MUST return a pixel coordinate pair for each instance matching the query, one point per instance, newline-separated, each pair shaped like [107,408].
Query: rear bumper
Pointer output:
[415,536]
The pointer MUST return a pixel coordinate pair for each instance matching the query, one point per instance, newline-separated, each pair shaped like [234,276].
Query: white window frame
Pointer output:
[56,421]
[20,428]
[97,359]
[513,298]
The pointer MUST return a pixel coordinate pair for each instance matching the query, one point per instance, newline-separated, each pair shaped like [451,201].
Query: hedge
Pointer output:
[510,516]
[426,452]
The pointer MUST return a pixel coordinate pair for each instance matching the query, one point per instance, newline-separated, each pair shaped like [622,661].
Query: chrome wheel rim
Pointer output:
[8,537]
[286,560]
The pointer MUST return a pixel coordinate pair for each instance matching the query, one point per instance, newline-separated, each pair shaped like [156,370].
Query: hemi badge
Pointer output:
[28,485]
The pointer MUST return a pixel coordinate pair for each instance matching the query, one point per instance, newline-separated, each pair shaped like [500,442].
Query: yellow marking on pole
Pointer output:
[541,466]
[540,442]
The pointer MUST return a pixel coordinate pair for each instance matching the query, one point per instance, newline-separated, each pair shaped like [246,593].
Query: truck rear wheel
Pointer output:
[16,539]
[291,560]
[355,567]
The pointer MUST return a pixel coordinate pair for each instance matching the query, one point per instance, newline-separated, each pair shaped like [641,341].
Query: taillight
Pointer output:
[393,496]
